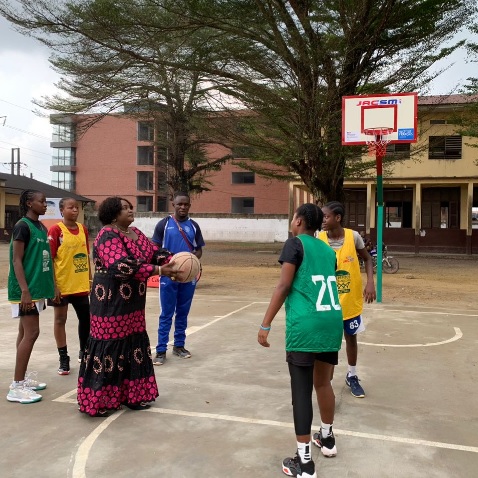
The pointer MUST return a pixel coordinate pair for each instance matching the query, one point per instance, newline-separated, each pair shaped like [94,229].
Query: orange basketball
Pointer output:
[186,265]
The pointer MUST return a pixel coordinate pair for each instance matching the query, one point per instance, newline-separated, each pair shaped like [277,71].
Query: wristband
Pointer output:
[264,328]
[159,270]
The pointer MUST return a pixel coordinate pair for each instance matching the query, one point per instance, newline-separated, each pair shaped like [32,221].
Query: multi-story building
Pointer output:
[429,197]
[117,156]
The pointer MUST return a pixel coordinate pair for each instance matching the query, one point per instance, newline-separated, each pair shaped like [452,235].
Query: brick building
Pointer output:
[116,157]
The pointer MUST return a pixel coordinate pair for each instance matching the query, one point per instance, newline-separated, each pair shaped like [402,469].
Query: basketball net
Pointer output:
[377,144]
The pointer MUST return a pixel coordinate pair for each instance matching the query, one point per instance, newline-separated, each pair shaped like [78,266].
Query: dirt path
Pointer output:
[252,269]
[243,269]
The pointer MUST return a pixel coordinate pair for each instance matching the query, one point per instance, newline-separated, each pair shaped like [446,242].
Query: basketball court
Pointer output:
[226,412]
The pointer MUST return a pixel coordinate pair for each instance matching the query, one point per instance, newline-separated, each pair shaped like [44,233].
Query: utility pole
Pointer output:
[17,162]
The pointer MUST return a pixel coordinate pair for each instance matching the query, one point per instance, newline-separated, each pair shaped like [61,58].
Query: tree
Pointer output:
[106,59]
[289,62]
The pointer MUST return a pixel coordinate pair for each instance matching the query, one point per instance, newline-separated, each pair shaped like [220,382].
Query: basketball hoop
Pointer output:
[378,140]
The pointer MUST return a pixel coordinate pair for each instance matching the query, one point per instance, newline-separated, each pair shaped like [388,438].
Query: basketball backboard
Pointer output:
[395,112]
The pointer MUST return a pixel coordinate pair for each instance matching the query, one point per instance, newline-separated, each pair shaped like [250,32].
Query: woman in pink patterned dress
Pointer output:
[117,368]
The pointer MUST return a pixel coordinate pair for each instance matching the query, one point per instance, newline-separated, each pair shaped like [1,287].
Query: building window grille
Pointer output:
[444,147]
[144,203]
[145,156]
[145,180]
[145,131]
[242,205]
[243,178]
[64,157]
[399,150]
[63,133]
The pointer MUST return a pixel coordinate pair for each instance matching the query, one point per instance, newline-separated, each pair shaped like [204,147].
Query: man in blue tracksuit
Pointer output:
[176,233]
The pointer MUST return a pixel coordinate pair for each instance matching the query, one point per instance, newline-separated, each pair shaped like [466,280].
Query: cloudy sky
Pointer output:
[26,74]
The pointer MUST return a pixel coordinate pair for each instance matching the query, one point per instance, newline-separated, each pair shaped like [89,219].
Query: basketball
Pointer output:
[187,266]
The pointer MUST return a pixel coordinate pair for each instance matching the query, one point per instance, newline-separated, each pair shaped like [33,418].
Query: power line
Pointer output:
[14,144]
[18,106]
[26,132]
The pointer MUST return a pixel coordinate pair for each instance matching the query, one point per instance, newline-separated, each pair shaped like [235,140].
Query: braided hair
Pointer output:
[337,208]
[312,214]
[63,200]
[26,196]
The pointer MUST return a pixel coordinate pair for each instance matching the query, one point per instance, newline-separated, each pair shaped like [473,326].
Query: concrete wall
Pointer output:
[230,229]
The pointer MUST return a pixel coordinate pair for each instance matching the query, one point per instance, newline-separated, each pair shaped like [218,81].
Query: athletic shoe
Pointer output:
[326,445]
[295,467]
[64,368]
[160,358]
[181,352]
[32,382]
[23,395]
[355,388]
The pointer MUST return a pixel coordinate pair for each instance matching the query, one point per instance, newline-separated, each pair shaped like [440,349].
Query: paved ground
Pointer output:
[226,412]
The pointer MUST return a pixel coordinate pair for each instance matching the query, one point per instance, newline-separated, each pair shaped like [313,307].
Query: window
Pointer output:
[162,203]
[242,205]
[162,182]
[145,131]
[64,180]
[444,147]
[144,203]
[64,157]
[243,178]
[145,155]
[63,133]
[399,150]
[144,181]
[441,208]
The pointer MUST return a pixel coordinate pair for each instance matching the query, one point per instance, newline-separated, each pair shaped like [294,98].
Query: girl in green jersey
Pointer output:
[308,287]
[30,282]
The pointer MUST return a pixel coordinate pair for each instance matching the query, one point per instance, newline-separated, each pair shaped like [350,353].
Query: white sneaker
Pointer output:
[23,395]
[32,382]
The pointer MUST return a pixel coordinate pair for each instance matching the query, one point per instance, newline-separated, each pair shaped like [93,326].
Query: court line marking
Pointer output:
[81,457]
[458,335]
[372,436]
[424,312]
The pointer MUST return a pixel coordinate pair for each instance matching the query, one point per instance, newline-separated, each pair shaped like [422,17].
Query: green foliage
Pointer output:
[287,62]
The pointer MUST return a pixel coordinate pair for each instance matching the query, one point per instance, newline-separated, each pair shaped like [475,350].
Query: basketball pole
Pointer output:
[379,155]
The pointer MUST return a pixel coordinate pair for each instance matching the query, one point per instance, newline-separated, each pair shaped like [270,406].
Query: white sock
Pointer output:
[304,452]
[18,384]
[352,370]
[325,429]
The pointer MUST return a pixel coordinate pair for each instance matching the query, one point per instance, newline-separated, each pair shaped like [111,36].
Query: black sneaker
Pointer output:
[181,352]
[64,368]
[295,467]
[160,358]
[355,388]
[326,445]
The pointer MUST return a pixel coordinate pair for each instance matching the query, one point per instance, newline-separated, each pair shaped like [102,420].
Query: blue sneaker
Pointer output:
[355,388]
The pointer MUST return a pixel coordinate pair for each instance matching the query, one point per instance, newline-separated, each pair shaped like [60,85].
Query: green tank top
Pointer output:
[37,265]
[313,313]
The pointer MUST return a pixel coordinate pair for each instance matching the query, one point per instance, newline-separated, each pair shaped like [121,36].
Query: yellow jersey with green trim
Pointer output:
[349,279]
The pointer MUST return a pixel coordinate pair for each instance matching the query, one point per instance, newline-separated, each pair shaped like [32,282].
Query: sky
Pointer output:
[25,74]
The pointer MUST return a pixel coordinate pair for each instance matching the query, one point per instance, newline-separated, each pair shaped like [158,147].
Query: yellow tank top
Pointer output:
[349,279]
[71,262]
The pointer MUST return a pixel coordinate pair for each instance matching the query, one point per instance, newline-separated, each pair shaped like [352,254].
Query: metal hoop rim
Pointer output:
[379,131]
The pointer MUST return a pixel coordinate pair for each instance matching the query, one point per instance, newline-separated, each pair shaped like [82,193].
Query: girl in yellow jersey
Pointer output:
[348,245]
[70,252]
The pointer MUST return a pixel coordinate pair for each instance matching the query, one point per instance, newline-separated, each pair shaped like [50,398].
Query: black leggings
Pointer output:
[82,309]
[302,386]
